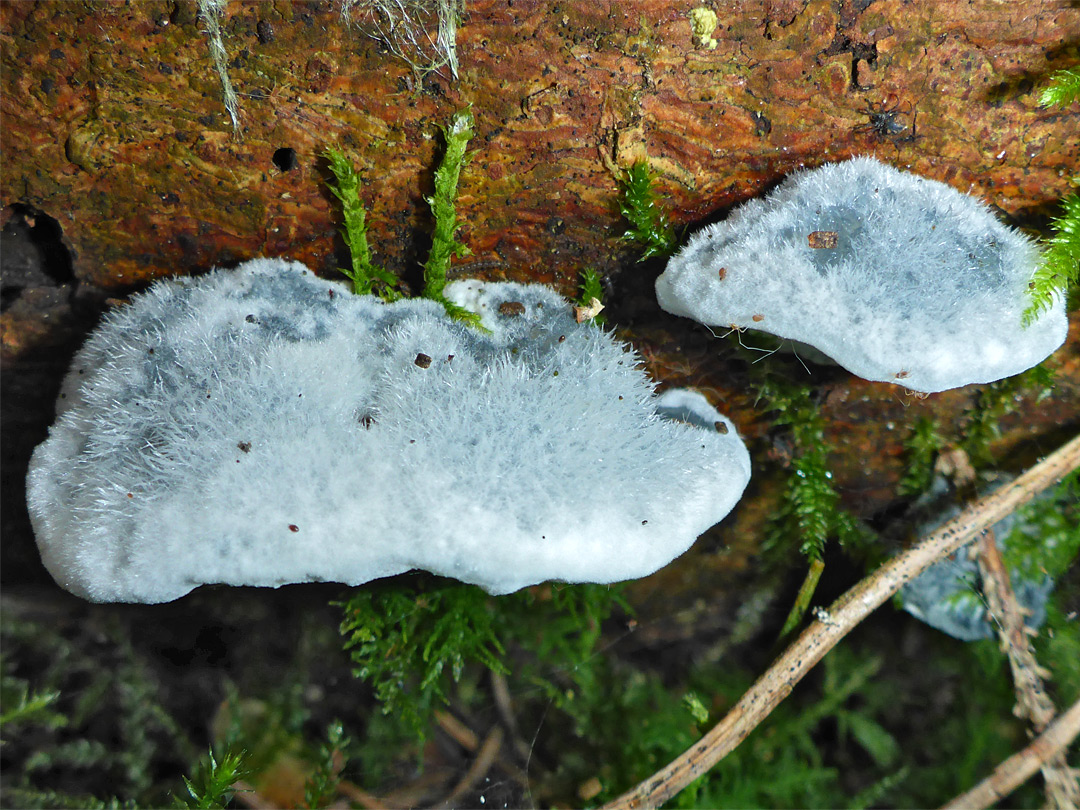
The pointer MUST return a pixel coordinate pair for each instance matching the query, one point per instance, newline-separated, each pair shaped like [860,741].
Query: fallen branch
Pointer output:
[835,623]
[1020,767]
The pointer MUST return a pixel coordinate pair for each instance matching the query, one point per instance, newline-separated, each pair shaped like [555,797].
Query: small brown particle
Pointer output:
[589,311]
[130,495]
[823,239]
[562,338]
[293,527]
[901,374]
[757,318]
[723,273]
[367,420]
[720,427]
[422,360]
[244,446]
[511,308]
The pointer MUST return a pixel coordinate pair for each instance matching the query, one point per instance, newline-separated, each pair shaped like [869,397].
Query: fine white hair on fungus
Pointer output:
[896,277]
[263,426]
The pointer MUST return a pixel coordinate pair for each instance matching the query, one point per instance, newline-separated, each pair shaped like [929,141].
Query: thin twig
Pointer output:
[1020,767]
[485,758]
[246,794]
[458,731]
[355,793]
[835,623]
[1032,701]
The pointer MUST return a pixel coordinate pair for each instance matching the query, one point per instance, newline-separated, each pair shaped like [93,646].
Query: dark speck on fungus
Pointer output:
[422,360]
[511,308]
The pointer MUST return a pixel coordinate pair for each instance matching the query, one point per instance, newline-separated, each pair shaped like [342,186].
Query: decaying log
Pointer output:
[114,128]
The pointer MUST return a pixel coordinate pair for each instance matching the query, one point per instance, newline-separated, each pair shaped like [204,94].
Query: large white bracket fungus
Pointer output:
[263,426]
[897,278]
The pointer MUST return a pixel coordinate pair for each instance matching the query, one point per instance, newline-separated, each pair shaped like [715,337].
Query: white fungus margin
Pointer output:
[263,426]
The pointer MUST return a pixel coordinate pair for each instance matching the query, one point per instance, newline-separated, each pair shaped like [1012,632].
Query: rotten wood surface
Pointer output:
[114,134]
[114,124]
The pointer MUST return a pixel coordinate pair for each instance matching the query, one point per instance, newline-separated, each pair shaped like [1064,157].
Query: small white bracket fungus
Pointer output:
[947,594]
[897,278]
[263,426]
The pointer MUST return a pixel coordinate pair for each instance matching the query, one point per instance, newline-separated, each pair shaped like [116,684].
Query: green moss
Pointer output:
[366,277]
[920,451]
[1060,266]
[405,642]
[640,204]
[211,786]
[811,512]
[412,644]
[1063,90]
[444,244]
[322,786]
[996,400]
[591,294]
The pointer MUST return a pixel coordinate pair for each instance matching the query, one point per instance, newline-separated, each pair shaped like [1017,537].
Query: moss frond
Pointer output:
[921,448]
[321,789]
[1060,267]
[403,641]
[211,786]
[591,297]
[1064,89]
[996,400]
[640,205]
[810,512]
[23,706]
[444,244]
[411,643]
[366,277]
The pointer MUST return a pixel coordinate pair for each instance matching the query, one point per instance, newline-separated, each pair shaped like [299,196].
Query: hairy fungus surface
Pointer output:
[896,277]
[263,426]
